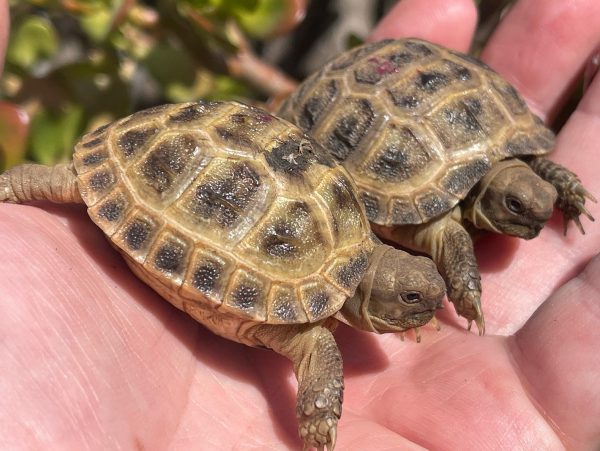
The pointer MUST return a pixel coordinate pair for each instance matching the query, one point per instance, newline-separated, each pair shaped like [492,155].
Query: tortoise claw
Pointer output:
[585,193]
[435,323]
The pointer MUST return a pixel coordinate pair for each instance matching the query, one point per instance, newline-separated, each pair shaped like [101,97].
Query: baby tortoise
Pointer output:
[235,217]
[439,146]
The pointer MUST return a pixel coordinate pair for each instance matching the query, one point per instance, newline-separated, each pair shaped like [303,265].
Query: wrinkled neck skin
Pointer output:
[355,311]
[472,211]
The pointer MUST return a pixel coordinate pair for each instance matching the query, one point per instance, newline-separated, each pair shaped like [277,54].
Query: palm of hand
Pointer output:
[93,357]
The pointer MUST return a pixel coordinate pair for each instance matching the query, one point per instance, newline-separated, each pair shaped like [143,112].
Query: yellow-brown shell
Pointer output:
[228,207]
[417,125]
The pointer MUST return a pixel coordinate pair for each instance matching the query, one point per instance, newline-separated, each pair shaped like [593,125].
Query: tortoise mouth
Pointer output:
[415,319]
[526,232]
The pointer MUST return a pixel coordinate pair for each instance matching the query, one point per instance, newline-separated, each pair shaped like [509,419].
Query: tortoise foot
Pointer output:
[571,193]
[318,411]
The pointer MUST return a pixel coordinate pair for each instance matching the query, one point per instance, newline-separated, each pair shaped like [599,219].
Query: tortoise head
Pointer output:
[513,200]
[399,292]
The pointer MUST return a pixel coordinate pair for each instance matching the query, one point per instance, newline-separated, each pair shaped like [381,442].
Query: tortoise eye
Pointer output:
[411,297]
[514,204]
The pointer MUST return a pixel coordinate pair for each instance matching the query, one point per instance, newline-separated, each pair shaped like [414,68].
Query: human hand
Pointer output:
[93,358]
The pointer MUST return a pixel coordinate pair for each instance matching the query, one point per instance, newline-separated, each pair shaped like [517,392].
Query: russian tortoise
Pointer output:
[439,145]
[235,217]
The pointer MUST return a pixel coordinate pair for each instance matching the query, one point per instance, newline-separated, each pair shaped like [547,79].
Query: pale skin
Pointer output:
[92,358]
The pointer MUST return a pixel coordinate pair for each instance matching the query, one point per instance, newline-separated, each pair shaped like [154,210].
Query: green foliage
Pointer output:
[72,64]
[31,41]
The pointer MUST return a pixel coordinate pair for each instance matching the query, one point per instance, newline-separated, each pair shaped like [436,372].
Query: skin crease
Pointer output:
[92,359]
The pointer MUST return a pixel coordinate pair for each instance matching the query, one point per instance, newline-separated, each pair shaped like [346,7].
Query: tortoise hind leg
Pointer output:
[571,193]
[29,182]
[318,368]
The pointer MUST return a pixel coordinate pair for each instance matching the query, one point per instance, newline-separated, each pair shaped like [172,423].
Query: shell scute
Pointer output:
[246,296]
[284,307]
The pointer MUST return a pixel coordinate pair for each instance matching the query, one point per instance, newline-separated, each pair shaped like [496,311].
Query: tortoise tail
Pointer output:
[29,182]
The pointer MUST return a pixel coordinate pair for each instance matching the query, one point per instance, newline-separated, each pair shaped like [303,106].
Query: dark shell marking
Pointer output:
[357,117]
[167,160]
[224,196]
[137,233]
[133,140]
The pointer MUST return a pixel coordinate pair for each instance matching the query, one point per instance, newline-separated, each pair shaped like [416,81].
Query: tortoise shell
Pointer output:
[230,208]
[417,125]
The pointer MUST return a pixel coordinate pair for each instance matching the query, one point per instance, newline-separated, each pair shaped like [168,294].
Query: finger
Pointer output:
[541,46]
[557,352]
[450,23]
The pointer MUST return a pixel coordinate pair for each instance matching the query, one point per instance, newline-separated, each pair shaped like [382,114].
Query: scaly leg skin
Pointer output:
[571,193]
[29,182]
[457,264]
[318,368]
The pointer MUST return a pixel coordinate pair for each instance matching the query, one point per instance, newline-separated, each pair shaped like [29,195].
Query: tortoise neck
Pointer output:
[355,311]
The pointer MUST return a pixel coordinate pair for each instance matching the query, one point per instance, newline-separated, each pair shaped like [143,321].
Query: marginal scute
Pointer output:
[110,211]
[347,272]
[168,257]
[208,275]
[247,295]
[137,233]
[403,211]
[284,306]
[433,203]
[320,299]
[371,204]
[459,179]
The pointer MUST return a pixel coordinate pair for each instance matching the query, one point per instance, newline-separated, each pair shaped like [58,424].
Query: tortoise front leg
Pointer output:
[571,193]
[29,182]
[451,248]
[318,368]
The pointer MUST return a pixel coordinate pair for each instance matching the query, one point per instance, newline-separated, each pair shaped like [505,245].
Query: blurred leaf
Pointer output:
[53,134]
[353,40]
[227,88]
[97,23]
[169,65]
[14,125]
[35,38]
[260,18]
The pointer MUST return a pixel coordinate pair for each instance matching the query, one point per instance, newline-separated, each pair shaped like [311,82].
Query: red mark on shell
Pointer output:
[382,66]
[264,117]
